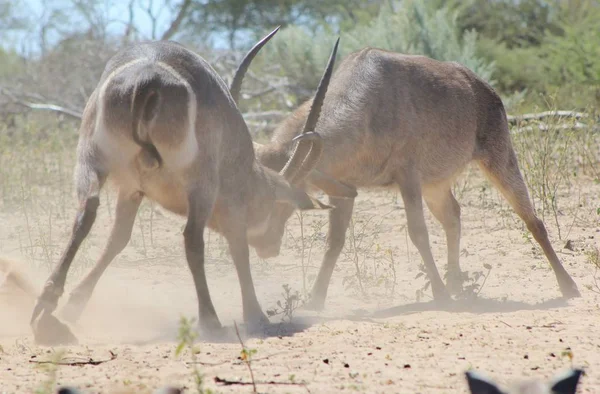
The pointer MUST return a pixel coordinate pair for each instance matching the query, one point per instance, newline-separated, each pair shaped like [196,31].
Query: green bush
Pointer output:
[565,66]
[414,27]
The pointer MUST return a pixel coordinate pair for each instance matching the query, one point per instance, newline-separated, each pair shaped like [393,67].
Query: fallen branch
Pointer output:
[51,107]
[205,363]
[512,119]
[41,106]
[72,361]
[239,362]
[546,127]
[227,382]
[264,119]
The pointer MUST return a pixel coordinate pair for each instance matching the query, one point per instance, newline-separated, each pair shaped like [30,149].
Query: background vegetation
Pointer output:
[537,53]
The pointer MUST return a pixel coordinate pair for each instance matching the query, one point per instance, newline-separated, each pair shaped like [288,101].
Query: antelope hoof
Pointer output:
[209,325]
[257,322]
[46,302]
[454,282]
[441,294]
[72,311]
[49,331]
[568,288]
[315,303]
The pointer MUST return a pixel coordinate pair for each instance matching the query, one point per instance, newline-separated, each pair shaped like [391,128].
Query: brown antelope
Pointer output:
[162,124]
[565,383]
[410,122]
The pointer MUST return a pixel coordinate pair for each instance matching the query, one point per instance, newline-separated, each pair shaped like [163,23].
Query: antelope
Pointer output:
[162,124]
[412,123]
[565,383]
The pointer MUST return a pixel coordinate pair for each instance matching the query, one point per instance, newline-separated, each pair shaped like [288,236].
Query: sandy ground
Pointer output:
[376,335]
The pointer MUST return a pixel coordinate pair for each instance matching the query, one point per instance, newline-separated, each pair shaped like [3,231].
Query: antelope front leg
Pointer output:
[445,208]
[201,202]
[339,218]
[235,232]
[410,189]
[55,284]
[120,234]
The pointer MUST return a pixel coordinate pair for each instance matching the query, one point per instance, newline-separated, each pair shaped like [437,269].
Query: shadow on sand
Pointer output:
[476,305]
[227,334]
[306,319]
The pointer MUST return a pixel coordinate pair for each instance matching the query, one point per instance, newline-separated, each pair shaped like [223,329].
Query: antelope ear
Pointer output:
[298,198]
[566,383]
[479,384]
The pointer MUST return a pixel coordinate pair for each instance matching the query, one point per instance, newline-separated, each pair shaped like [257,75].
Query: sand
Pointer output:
[381,338]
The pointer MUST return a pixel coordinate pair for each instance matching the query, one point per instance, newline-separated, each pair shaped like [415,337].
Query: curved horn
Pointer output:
[309,145]
[236,84]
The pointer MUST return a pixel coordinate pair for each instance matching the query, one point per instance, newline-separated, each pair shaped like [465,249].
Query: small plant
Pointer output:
[471,286]
[246,357]
[187,337]
[593,258]
[550,151]
[374,265]
[291,302]
[568,353]
[420,293]
[51,369]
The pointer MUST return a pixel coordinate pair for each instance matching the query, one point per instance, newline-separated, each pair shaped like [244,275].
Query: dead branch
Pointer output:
[41,106]
[51,107]
[512,119]
[240,362]
[227,382]
[73,361]
[177,21]
[559,127]
[205,363]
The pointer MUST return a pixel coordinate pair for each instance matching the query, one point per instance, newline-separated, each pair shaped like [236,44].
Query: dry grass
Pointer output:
[378,268]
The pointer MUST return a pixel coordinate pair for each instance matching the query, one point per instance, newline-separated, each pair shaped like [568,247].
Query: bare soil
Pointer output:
[376,334]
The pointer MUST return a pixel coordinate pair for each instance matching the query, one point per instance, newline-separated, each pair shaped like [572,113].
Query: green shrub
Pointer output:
[414,27]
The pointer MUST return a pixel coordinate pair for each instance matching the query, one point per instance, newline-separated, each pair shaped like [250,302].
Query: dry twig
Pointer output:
[73,361]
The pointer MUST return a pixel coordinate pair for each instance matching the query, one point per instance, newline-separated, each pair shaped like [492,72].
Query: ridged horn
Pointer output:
[236,84]
[309,144]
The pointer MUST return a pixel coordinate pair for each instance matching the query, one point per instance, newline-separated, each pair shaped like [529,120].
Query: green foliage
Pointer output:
[514,23]
[517,69]
[10,63]
[48,385]
[565,64]
[415,27]
[241,20]
[186,337]
[528,49]
[574,56]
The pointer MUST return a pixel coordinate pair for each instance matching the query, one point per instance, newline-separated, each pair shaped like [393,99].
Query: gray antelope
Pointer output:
[564,383]
[411,122]
[162,124]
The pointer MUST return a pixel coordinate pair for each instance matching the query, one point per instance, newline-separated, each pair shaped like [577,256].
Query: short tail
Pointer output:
[145,103]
